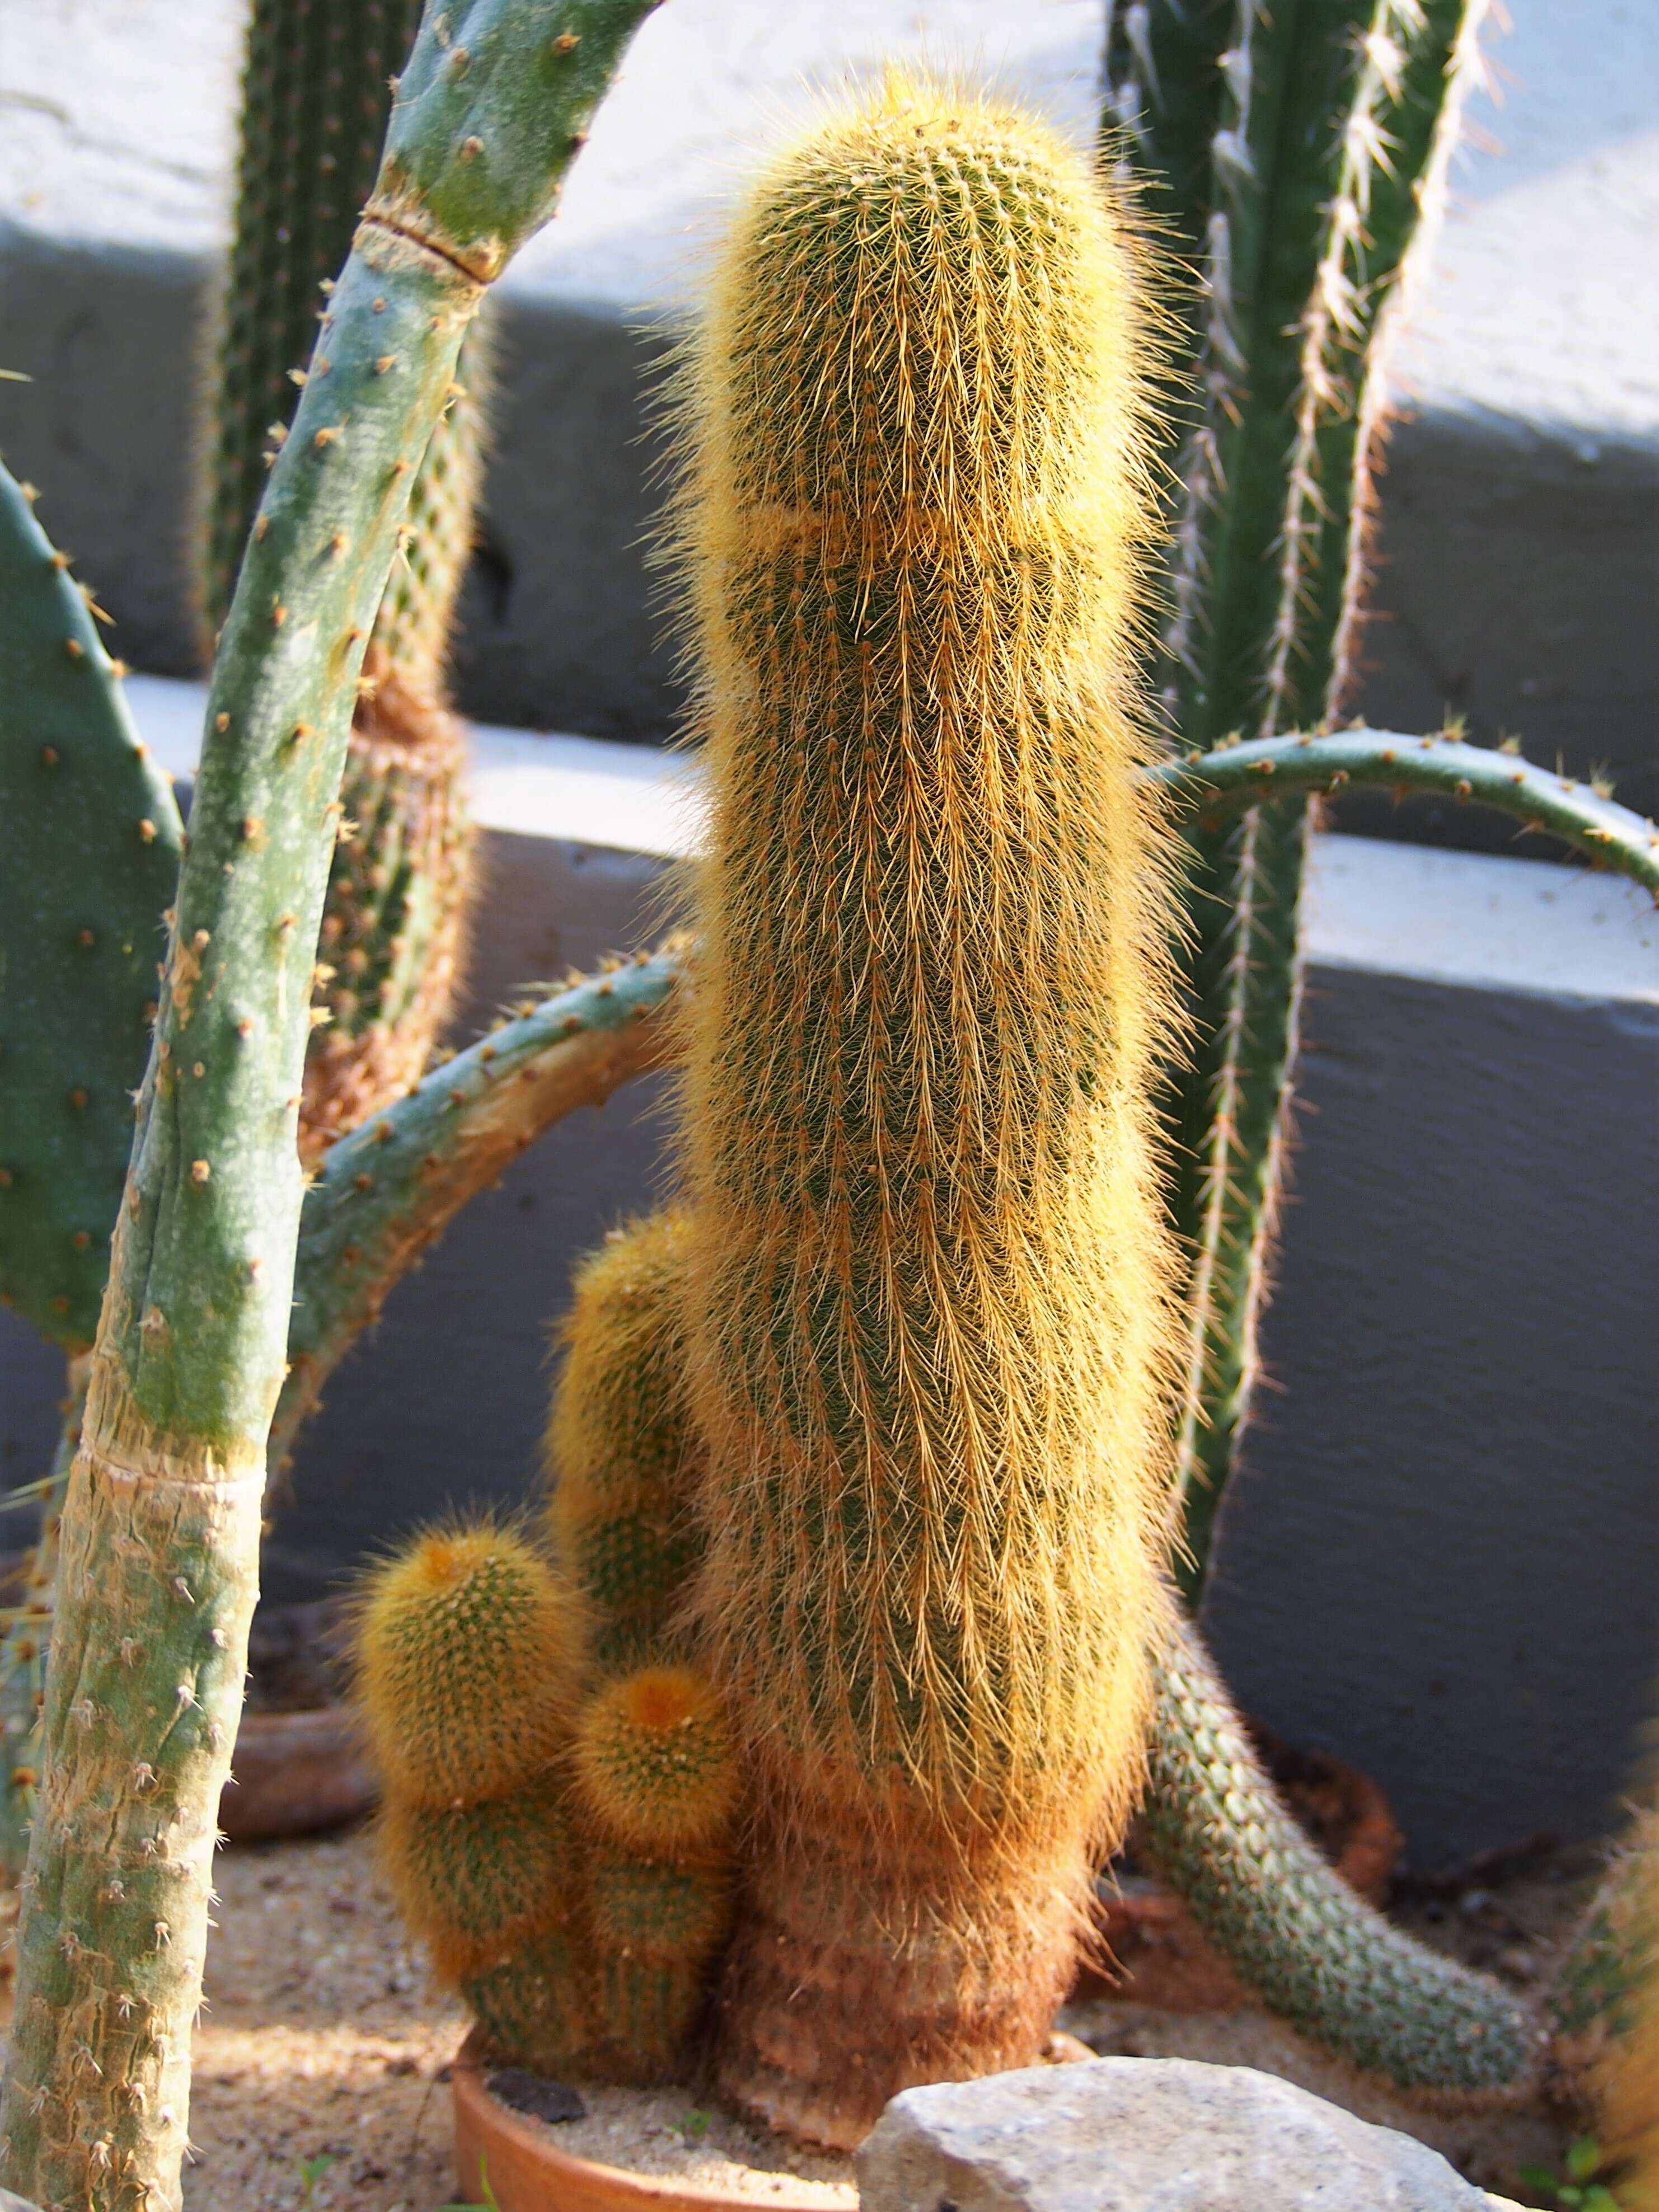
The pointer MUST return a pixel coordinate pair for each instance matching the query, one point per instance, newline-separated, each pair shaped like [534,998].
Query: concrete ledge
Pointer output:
[1442,1557]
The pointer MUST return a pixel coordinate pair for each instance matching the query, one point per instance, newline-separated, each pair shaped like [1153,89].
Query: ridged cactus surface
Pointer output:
[316,94]
[656,1773]
[621,1446]
[467,1664]
[1292,152]
[1604,2019]
[1315,1952]
[928,1288]
[467,1661]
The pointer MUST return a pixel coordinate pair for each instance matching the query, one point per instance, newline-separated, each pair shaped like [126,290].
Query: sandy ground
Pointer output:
[323,2051]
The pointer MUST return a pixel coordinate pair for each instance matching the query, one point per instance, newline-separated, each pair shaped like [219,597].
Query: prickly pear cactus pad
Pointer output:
[91,859]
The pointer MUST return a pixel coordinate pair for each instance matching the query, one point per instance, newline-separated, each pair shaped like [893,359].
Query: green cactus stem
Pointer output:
[94,840]
[383,1194]
[1328,135]
[316,93]
[1291,1929]
[1585,819]
[1604,2018]
[159,1542]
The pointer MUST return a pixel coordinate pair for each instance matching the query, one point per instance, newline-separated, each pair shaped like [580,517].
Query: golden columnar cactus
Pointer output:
[928,1292]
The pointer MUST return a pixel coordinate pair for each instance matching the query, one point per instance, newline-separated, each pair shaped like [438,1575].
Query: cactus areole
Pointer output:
[161,1529]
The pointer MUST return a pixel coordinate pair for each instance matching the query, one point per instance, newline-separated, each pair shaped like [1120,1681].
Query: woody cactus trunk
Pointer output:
[1293,154]
[160,1538]
[316,93]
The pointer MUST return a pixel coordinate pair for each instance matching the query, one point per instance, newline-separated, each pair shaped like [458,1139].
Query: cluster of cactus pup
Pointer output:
[860,1505]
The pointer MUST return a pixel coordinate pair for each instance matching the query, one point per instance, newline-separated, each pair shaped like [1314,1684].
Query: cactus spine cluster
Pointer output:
[928,1291]
[316,93]
[1293,164]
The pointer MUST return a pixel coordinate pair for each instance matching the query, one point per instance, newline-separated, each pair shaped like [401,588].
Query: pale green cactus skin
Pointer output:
[160,1547]
[316,94]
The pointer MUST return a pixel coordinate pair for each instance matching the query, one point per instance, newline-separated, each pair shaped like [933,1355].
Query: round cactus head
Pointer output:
[653,1759]
[467,1652]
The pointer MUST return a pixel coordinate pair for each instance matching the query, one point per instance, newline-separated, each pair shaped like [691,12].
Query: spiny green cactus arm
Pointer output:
[1163,84]
[383,1194]
[1216,783]
[161,1535]
[1331,134]
[1291,1928]
[92,839]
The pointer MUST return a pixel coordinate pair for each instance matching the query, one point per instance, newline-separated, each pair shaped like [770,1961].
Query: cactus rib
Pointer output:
[160,1543]
[1331,131]
[1294,1932]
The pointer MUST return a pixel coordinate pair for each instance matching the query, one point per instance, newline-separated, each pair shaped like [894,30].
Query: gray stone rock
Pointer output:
[1144,2135]
[10,2203]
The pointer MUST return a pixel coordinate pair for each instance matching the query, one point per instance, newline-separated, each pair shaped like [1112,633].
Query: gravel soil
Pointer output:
[322,2048]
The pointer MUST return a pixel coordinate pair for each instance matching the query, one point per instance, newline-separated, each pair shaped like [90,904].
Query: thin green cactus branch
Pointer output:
[1219,783]
[1331,127]
[1292,1930]
[161,1529]
[383,1194]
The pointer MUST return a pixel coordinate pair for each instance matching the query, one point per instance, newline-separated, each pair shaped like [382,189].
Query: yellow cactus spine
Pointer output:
[467,1653]
[655,1781]
[653,1760]
[927,1293]
[621,1453]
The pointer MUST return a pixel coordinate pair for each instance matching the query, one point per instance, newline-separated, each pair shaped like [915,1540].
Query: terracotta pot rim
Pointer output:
[482,2123]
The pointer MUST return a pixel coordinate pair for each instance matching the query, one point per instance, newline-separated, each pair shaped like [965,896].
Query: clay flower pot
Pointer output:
[1162,1958]
[528,2173]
